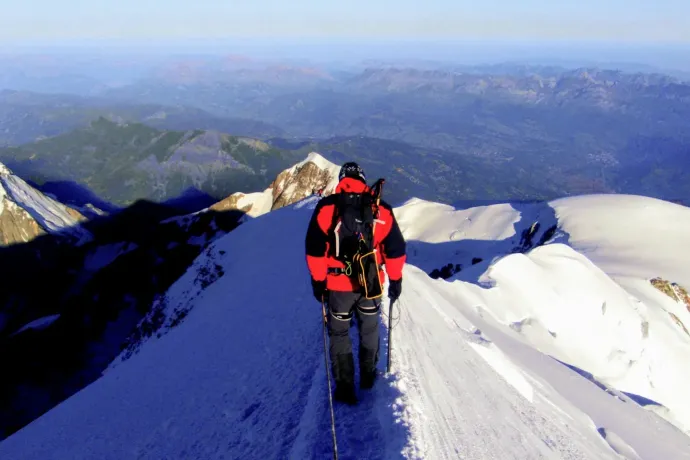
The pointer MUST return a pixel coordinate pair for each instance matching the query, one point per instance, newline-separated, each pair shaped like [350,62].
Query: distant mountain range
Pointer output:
[122,162]
[348,103]
[28,117]
[601,129]
[494,132]
[109,163]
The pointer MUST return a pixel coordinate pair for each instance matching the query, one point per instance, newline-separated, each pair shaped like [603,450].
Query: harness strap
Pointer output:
[342,271]
[337,240]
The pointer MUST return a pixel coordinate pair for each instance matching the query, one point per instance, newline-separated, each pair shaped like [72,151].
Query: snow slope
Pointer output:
[572,310]
[259,203]
[629,236]
[438,233]
[28,211]
[236,370]
[588,301]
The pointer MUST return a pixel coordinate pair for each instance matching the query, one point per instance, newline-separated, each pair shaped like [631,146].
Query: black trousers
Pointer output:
[343,306]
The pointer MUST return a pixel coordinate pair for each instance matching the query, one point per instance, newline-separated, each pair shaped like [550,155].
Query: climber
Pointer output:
[345,263]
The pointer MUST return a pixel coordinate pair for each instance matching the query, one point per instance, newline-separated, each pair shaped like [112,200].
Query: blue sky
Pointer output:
[610,20]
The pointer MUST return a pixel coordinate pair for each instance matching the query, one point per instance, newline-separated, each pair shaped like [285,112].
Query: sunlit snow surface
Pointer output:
[475,369]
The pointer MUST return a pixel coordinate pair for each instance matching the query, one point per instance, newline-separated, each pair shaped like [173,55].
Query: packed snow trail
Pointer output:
[242,377]
[458,405]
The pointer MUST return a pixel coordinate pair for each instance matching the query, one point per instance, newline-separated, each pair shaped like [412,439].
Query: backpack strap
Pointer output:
[335,225]
[374,195]
[378,191]
[337,240]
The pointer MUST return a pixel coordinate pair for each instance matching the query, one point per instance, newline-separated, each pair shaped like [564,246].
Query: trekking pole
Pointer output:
[328,377]
[390,335]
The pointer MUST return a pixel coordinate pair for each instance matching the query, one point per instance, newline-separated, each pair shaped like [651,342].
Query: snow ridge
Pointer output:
[49,214]
[478,358]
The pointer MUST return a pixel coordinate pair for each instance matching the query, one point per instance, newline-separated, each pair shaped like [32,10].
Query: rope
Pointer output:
[328,377]
[396,319]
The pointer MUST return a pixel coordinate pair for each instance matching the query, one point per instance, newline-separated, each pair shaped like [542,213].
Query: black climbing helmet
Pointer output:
[352,169]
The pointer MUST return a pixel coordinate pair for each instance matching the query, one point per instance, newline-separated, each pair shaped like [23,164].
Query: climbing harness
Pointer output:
[328,376]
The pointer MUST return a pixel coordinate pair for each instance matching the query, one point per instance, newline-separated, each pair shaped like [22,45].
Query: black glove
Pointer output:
[394,289]
[319,288]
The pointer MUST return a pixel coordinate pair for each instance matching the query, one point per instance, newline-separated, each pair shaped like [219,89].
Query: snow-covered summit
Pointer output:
[530,349]
[321,163]
[629,236]
[313,174]
[26,212]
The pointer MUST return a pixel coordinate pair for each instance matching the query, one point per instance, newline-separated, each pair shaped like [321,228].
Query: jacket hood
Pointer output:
[348,184]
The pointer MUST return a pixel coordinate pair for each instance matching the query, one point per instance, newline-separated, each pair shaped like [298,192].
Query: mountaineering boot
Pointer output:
[345,394]
[367,379]
[367,368]
[344,376]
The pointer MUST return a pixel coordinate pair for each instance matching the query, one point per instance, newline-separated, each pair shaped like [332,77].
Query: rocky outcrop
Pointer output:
[680,324]
[676,292]
[252,204]
[16,225]
[673,290]
[26,213]
[313,175]
[230,203]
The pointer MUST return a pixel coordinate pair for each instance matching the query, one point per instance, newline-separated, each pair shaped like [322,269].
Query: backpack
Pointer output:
[354,224]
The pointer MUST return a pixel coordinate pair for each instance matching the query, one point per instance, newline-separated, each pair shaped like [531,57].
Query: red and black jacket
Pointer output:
[388,240]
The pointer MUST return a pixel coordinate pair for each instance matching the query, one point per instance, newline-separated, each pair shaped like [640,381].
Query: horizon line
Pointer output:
[249,39]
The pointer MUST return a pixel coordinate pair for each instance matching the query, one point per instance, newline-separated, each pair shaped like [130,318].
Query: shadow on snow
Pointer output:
[100,290]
